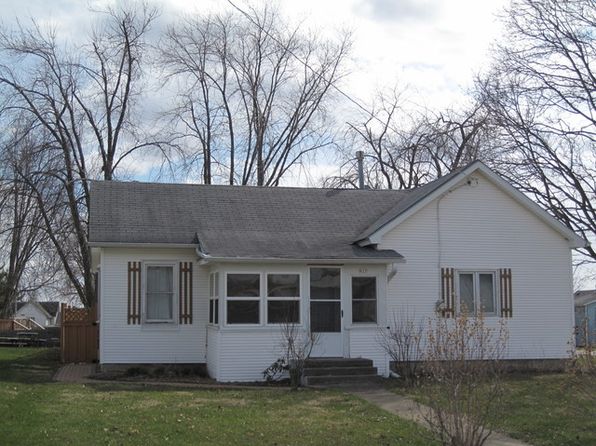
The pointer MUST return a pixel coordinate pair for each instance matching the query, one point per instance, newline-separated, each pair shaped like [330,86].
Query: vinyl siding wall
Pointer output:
[149,343]
[482,228]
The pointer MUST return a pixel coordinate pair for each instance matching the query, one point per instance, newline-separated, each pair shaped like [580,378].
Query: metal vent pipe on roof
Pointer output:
[360,158]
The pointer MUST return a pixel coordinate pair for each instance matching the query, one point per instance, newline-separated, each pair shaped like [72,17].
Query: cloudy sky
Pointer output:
[429,48]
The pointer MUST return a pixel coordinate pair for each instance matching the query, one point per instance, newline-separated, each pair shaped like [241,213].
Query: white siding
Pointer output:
[244,353]
[213,351]
[364,343]
[483,228]
[149,343]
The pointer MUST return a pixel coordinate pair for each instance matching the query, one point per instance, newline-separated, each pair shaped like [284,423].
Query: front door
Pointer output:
[326,311]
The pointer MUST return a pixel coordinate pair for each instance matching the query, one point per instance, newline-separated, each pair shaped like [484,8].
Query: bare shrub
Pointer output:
[462,359]
[402,341]
[297,345]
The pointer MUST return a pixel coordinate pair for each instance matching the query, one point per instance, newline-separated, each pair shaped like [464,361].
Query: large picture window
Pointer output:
[283,298]
[364,299]
[159,293]
[243,296]
[477,292]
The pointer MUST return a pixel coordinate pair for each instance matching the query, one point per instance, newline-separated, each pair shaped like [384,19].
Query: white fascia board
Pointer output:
[208,259]
[574,240]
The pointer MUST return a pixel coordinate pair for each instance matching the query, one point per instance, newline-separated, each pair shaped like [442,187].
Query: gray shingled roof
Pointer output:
[248,222]
[584,297]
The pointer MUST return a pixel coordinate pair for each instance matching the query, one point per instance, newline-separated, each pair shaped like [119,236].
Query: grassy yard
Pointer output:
[34,410]
[545,410]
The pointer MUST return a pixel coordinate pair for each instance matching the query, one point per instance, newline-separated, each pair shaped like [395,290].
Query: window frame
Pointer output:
[361,324]
[175,273]
[214,298]
[476,285]
[258,299]
[282,298]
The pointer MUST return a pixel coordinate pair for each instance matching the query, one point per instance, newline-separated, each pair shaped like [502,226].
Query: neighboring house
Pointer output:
[585,317]
[46,314]
[205,273]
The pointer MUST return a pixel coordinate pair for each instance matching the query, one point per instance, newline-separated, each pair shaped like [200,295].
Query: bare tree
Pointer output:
[402,341]
[540,97]
[22,235]
[253,93]
[81,98]
[406,148]
[463,361]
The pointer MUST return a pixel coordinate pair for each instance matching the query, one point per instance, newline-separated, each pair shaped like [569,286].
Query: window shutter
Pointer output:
[506,293]
[134,293]
[447,292]
[185,293]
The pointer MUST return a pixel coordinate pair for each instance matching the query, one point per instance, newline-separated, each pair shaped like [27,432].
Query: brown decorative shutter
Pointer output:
[506,293]
[185,293]
[448,292]
[134,293]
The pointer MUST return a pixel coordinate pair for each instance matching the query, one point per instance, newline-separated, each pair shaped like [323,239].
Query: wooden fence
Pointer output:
[17,324]
[79,334]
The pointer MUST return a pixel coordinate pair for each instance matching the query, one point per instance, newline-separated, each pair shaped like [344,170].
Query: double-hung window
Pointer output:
[243,298]
[477,292]
[159,293]
[214,298]
[283,298]
[364,299]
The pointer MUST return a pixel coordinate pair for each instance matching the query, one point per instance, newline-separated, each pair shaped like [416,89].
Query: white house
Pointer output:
[46,314]
[203,274]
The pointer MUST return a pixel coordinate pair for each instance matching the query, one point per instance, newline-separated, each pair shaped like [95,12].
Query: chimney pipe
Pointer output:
[360,158]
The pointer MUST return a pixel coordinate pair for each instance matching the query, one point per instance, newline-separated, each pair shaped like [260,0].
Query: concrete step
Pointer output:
[338,362]
[341,380]
[340,371]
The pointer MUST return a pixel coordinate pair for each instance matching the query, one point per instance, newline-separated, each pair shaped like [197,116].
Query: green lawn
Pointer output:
[545,409]
[34,410]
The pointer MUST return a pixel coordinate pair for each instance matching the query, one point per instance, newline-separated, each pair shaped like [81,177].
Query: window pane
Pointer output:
[466,293]
[216,284]
[364,288]
[159,306]
[325,283]
[487,293]
[280,311]
[283,285]
[244,285]
[216,317]
[325,317]
[160,279]
[243,312]
[364,311]
[211,315]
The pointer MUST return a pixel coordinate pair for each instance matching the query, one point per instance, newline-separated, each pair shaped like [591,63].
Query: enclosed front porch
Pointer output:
[343,305]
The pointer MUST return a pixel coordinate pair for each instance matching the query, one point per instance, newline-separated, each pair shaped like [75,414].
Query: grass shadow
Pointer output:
[28,364]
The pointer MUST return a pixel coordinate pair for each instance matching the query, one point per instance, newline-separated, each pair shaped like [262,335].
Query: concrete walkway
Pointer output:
[409,409]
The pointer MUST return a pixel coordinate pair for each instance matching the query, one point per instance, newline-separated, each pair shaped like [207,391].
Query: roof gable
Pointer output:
[584,297]
[443,185]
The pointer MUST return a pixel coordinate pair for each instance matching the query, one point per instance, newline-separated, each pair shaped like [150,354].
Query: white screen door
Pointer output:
[326,311]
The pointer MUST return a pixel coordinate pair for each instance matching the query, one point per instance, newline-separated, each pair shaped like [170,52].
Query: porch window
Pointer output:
[477,292]
[159,293]
[243,298]
[283,298]
[364,299]
[214,298]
